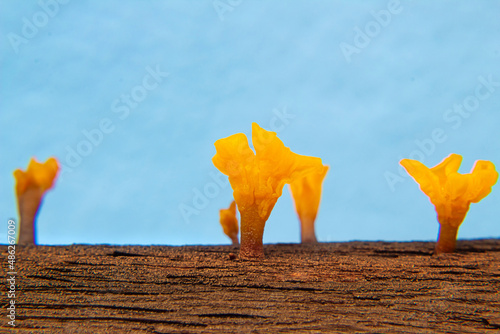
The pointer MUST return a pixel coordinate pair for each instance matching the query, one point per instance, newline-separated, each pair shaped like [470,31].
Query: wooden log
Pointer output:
[364,287]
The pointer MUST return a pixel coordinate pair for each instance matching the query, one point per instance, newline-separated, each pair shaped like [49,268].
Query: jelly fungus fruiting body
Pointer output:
[452,192]
[257,179]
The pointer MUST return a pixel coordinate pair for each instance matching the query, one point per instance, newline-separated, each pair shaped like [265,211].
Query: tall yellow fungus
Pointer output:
[258,178]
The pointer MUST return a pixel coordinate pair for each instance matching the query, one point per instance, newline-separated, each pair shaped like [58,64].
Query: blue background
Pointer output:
[67,66]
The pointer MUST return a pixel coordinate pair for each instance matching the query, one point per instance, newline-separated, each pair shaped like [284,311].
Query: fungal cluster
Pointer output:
[257,179]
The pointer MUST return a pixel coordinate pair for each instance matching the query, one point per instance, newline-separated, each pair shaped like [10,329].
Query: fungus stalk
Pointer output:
[28,204]
[447,239]
[252,232]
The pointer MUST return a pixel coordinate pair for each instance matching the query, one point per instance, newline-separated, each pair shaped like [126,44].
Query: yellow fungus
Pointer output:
[258,178]
[229,222]
[452,192]
[306,193]
[31,186]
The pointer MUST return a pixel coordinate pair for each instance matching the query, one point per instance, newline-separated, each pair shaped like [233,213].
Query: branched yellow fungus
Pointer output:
[451,192]
[306,193]
[258,178]
[31,186]
[229,222]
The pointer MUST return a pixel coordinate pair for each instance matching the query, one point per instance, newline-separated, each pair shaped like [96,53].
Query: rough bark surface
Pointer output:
[363,287]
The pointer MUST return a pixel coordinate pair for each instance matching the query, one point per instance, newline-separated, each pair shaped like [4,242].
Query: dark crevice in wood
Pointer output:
[119,319]
[382,252]
[75,263]
[229,315]
[118,253]
[93,306]
[49,278]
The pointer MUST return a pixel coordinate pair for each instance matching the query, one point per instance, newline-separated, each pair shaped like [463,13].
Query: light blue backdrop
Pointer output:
[154,84]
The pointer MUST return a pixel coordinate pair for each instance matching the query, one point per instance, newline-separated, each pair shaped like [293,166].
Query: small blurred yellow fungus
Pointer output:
[306,193]
[229,222]
[31,186]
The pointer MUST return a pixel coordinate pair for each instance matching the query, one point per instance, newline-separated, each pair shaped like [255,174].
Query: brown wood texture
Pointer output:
[353,287]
